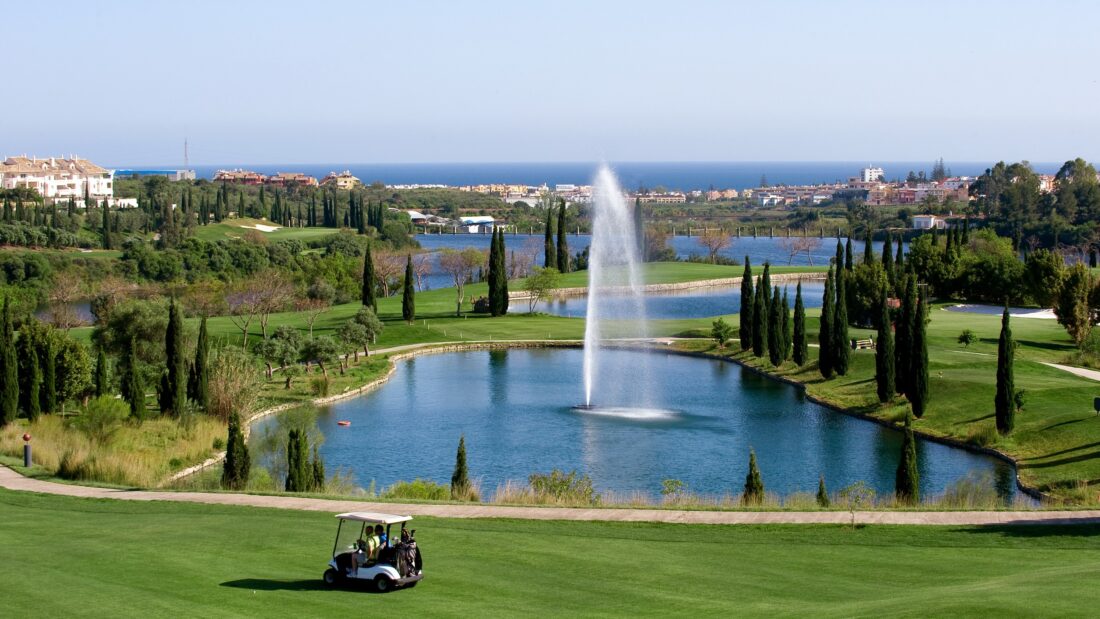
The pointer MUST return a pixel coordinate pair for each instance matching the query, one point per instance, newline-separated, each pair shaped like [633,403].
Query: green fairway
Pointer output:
[65,556]
[236,228]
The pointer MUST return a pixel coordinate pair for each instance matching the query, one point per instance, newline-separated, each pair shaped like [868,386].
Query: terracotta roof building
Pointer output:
[58,178]
[342,180]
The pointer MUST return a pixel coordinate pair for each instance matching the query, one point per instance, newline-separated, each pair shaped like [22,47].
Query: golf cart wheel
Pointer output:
[382,583]
[331,577]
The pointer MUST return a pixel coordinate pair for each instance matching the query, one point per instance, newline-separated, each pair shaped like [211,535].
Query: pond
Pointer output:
[690,303]
[515,409]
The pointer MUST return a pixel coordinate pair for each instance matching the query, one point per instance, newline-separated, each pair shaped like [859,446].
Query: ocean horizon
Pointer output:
[682,176]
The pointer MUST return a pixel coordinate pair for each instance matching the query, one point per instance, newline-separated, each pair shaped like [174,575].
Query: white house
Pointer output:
[928,222]
[870,175]
[476,224]
[57,178]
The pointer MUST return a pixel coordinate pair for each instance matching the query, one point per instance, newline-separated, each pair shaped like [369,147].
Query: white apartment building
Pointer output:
[58,178]
[870,175]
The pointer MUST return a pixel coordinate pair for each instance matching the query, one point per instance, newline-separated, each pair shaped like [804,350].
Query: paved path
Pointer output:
[13,481]
[1082,372]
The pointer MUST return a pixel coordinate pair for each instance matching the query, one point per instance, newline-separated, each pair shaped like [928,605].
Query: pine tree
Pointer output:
[785,334]
[746,318]
[460,481]
[197,384]
[408,298]
[841,347]
[907,478]
[563,243]
[848,264]
[903,334]
[237,463]
[135,387]
[918,387]
[884,353]
[775,329]
[550,254]
[799,345]
[1005,400]
[9,370]
[754,485]
[368,281]
[825,330]
[822,493]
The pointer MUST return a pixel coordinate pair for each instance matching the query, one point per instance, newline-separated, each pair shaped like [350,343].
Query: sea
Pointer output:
[684,176]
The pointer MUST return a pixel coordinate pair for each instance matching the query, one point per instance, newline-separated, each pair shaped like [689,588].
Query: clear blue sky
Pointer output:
[329,82]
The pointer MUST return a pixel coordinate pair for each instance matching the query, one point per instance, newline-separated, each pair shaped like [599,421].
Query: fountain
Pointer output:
[613,270]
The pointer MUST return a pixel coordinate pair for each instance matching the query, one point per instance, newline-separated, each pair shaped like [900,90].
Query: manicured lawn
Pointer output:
[65,556]
[236,228]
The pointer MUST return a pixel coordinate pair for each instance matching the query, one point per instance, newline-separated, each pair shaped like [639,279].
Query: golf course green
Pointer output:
[121,558]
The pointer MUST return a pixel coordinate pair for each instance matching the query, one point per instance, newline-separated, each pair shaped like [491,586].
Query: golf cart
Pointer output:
[395,563]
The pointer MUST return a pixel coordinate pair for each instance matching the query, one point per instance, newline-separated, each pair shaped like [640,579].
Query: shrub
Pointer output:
[233,384]
[967,337]
[101,418]
[560,487]
[73,465]
[218,444]
[319,386]
[420,489]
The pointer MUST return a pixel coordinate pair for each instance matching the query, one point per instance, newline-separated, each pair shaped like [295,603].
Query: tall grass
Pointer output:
[137,454]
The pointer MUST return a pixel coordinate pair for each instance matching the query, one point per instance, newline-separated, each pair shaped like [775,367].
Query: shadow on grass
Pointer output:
[1064,451]
[1044,345]
[1070,527]
[316,584]
[1061,461]
[975,420]
[1064,423]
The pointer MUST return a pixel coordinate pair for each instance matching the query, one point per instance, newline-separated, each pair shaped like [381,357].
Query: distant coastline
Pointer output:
[671,175]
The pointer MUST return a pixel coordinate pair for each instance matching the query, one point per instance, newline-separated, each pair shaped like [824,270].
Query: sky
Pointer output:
[124,83]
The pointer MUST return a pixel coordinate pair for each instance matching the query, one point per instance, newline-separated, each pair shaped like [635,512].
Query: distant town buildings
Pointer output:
[58,178]
[172,175]
[342,180]
[870,175]
[248,177]
[928,222]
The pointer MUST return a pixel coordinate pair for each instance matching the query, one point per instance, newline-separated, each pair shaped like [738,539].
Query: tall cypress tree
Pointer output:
[907,477]
[800,349]
[9,369]
[494,275]
[1005,400]
[745,318]
[198,381]
[848,263]
[761,310]
[408,296]
[502,277]
[903,343]
[785,335]
[775,328]
[368,281]
[754,484]
[550,254]
[868,247]
[839,253]
[899,262]
[563,243]
[47,358]
[176,396]
[106,227]
[238,463]
[102,376]
[825,330]
[460,480]
[32,404]
[918,387]
[841,347]
[888,256]
[296,450]
[884,352]
[135,386]
[639,229]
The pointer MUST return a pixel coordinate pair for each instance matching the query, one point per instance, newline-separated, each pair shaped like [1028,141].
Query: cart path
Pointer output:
[14,481]
[1082,372]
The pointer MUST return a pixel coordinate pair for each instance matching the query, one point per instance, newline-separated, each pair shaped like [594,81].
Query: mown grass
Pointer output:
[115,558]
[236,228]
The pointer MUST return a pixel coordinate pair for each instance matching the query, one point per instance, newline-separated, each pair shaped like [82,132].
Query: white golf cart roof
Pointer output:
[373,517]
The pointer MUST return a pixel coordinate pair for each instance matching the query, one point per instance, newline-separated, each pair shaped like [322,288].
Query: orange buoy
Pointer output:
[343,423]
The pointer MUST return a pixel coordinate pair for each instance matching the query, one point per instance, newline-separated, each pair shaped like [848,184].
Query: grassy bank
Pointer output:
[1057,438]
[172,559]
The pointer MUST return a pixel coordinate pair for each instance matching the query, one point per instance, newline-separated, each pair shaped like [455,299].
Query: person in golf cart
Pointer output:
[367,550]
